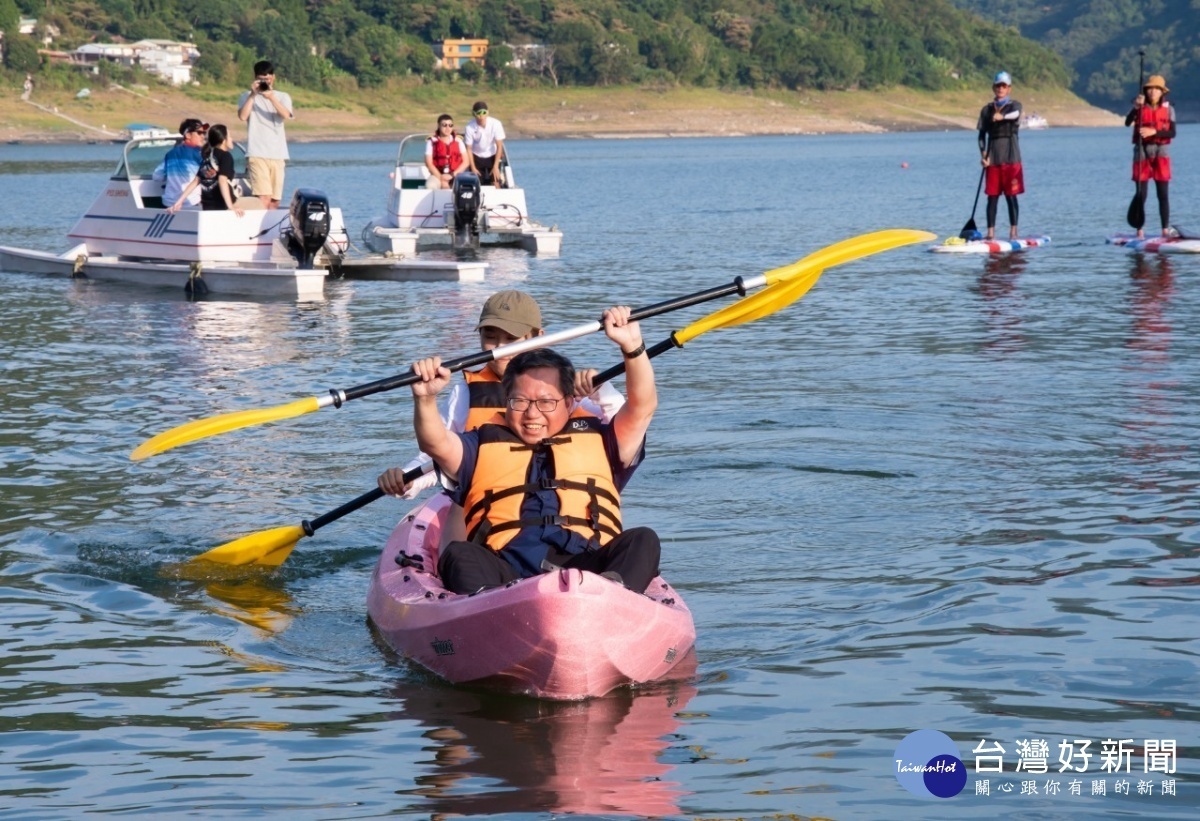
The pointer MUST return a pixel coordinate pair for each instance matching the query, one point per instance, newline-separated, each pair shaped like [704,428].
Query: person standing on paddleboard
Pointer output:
[1000,153]
[1153,119]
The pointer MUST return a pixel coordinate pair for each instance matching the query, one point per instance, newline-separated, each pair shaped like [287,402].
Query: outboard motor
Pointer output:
[309,217]
[465,230]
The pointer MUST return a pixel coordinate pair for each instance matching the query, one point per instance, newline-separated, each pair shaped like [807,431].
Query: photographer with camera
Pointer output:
[265,111]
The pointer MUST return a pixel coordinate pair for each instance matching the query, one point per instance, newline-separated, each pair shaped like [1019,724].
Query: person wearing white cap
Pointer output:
[507,317]
[1155,118]
[1000,153]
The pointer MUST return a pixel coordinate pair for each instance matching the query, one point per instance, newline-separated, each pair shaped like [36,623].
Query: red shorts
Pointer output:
[1007,179]
[1152,168]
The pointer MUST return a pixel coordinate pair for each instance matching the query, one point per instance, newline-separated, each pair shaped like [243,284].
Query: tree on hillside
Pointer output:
[20,53]
[10,17]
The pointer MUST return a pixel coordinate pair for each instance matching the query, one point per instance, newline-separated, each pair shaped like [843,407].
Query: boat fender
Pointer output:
[77,271]
[195,285]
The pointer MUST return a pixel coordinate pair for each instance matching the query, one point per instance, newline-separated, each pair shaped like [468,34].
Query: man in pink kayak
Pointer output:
[540,484]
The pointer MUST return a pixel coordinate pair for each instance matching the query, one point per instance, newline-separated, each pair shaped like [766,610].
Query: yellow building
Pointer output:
[454,53]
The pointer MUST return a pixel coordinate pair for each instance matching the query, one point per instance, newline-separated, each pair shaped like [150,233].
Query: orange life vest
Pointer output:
[588,500]
[1158,118]
[446,156]
[486,397]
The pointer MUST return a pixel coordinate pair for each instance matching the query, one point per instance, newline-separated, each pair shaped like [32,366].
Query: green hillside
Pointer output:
[346,45]
[1100,40]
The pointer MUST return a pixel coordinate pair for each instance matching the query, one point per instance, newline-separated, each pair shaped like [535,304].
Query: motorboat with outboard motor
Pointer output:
[126,235]
[465,216]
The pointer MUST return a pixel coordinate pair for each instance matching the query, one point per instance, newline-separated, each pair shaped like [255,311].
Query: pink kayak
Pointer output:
[567,634]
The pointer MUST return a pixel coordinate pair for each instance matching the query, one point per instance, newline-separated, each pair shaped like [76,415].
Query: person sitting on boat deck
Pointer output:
[181,163]
[215,177]
[1000,153]
[1155,119]
[445,154]
[484,137]
[507,317]
[540,485]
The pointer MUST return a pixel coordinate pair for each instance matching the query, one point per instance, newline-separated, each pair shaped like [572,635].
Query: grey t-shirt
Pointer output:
[265,133]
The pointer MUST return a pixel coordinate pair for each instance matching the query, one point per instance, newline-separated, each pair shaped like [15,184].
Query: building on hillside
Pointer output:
[452,54]
[527,55]
[168,59]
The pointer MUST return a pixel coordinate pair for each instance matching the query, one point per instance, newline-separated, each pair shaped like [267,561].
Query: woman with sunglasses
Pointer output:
[1000,153]
[485,141]
[445,154]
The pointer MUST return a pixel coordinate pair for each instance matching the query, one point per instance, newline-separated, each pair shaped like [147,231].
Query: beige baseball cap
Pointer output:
[514,312]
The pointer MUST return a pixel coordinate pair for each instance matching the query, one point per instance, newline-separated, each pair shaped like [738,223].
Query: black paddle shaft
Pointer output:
[1136,215]
[738,287]
[970,227]
[311,527]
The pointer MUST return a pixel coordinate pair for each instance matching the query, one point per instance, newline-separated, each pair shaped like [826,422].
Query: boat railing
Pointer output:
[142,157]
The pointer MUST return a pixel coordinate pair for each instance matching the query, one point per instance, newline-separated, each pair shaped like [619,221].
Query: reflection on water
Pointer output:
[1002,301]
[493,753]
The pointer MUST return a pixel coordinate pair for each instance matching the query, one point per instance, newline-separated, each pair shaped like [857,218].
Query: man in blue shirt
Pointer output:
[181,164]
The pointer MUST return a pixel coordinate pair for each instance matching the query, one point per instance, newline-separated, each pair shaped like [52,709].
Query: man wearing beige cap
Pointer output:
[507,317]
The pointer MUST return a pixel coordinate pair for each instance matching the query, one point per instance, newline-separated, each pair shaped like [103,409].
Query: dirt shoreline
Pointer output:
[574,113]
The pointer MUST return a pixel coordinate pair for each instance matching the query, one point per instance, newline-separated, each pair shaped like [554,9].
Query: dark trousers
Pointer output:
[466,567]
[1014,210]
[487,169]
[1164,199]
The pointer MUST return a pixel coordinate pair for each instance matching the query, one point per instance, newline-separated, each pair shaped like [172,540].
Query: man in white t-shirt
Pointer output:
[485,145]
[264,111]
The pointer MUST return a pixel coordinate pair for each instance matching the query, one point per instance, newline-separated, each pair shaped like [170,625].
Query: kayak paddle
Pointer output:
[970,229]
[844,251]
[272,547]
[1136,215]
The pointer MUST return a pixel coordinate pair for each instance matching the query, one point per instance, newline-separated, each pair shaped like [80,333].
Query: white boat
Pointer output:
[1035,122]
[127,236]
[467,216]
[145,131]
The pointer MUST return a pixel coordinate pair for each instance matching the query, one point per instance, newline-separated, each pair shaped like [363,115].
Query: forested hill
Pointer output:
[822,44]
[1100,39]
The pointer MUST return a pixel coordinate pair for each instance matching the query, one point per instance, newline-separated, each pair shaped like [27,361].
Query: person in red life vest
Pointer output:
[1153,121]
[1000,153]
[507,317]
[540,485]
[445,154]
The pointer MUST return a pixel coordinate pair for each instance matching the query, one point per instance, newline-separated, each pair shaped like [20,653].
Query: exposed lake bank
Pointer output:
[59,116]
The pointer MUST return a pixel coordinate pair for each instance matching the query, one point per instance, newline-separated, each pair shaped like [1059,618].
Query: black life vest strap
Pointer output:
[551,521]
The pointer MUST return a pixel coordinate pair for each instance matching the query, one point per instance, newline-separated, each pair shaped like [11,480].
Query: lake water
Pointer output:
[953,494]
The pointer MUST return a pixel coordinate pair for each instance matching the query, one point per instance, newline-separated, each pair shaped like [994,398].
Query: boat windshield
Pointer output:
[143,156]
[412,150]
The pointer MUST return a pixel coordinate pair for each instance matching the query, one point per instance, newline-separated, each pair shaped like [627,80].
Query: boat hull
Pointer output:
[196,278]
[564,635]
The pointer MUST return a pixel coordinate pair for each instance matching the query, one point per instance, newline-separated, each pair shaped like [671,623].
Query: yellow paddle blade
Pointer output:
[269,547]
[213,425]
[849,250]
[767,301]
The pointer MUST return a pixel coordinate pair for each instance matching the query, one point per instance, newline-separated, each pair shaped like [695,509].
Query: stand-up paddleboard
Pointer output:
[1161,245]
[958,245]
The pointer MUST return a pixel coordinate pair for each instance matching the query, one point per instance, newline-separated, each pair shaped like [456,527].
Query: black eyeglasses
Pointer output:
[446,125]
[522,405]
